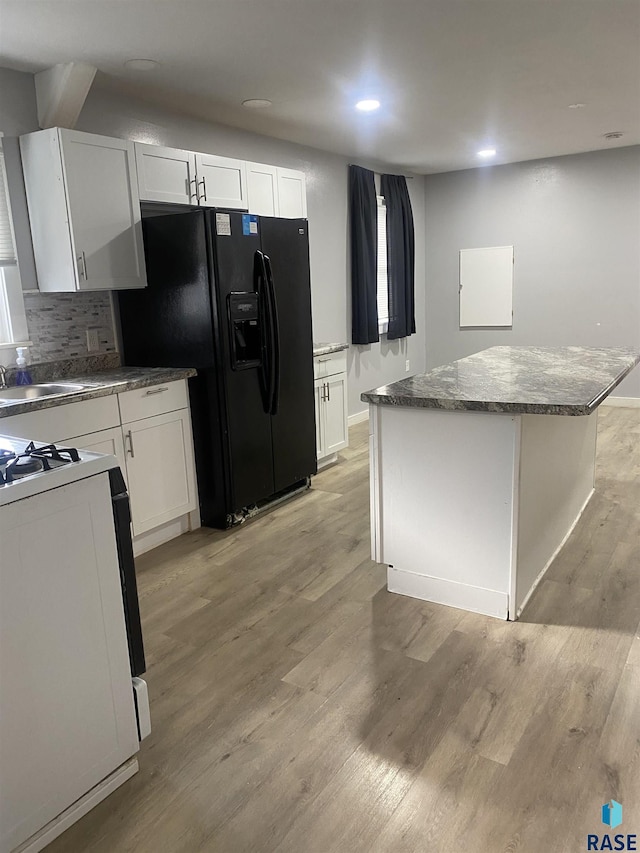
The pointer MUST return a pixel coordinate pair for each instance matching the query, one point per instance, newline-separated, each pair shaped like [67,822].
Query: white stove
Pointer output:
[29,468]
[73,707]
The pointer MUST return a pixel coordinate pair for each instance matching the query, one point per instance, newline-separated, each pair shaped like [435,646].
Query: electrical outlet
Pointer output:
[407,365]
[93,339]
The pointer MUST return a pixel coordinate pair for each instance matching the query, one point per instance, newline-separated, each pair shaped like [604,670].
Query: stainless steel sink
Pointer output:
[33,392]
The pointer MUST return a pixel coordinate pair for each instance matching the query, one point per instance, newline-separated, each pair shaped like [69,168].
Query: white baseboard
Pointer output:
[327,460]
[358,418]
[159,535]
[623,402]
[454,594]
[80,808]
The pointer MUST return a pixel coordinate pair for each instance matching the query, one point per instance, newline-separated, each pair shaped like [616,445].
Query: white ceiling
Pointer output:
[453,76]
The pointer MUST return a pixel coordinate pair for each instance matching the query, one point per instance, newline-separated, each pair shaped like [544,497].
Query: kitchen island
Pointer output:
[481,468]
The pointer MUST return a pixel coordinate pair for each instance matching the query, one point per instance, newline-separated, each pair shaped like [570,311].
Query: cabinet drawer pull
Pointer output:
[155,391]
[129,449]
[83,269]
[324,359]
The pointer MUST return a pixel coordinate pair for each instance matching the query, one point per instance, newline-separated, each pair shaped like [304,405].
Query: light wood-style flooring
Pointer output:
[298,707]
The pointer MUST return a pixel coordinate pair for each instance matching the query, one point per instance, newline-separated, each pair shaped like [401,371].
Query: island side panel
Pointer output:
[443,501]
[557,473]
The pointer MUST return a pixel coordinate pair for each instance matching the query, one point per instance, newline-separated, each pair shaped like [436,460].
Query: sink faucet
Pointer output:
[3,376]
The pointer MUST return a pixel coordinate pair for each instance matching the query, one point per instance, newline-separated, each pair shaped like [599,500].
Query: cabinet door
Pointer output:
[222,181]
[335,414]
[106,441]
[166,174]
[319,387]
[104,211]
[160,469]
[292,194]
[262,188]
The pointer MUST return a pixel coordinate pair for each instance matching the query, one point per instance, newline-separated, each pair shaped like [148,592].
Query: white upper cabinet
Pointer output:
[262,184]
[186,177]
[84,211]
[166,174]
[222,181]
[332,433]
[292,194]
[274,191]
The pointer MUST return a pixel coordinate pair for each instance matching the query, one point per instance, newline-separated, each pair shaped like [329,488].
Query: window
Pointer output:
[13,327]
[381,263]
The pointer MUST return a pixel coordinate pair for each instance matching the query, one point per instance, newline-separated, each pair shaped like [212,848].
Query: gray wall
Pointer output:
[18,112]
[574,223]
[326,174]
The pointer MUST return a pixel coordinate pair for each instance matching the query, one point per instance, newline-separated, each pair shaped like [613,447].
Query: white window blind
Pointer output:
[382,283]
[7,247]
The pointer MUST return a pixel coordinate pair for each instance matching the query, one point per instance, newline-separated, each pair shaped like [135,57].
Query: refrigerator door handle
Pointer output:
[260,281]
[275,337]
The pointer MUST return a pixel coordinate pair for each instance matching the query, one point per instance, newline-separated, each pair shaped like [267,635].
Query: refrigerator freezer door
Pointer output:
[286,243]
[248,423]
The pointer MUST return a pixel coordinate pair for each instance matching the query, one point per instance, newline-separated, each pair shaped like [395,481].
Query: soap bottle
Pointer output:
[23,377]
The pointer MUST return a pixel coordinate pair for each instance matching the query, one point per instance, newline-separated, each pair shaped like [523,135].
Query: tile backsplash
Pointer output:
[58,323]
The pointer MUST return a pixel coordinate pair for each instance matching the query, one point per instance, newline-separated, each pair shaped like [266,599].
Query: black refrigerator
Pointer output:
[229,294]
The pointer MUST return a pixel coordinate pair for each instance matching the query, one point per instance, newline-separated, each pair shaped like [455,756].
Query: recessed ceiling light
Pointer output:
[576,106]
[141,64]
[487,152]
[614,134]
[368,105]
[256,103]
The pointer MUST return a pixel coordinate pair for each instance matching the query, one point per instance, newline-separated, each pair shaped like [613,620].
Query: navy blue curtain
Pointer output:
[401,254]
[363,228]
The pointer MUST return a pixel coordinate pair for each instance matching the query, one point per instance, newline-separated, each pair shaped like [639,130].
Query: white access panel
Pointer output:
[486,287]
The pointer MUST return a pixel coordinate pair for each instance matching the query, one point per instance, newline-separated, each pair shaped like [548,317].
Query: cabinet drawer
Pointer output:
[154,400]
[327,365]
[59,422]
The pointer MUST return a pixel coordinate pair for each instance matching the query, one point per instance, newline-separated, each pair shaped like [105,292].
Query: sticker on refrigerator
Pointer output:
[223,225]
[249,224]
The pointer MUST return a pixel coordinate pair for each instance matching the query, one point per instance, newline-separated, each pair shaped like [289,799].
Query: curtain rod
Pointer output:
[408,177]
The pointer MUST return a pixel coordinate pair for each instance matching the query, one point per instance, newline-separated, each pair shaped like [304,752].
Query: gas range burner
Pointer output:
[34,460]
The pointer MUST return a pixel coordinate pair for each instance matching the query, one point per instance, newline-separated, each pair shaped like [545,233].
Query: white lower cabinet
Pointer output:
[160,469]
[319,388]
[332,432]
[106,441]
[148,430]
[336,434]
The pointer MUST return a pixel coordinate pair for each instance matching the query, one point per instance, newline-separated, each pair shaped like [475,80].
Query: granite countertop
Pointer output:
[327,349]
[519,380]
[101,384]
